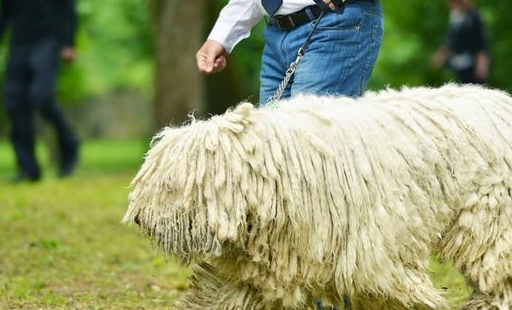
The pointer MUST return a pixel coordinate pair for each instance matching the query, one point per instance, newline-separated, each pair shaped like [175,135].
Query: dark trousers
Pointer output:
[467,76]
[30,87]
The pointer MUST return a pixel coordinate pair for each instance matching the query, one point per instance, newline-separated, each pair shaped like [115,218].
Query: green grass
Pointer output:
[96,157]
[62,245]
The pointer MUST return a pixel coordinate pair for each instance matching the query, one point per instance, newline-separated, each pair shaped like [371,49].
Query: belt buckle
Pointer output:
[292,23]
[285,26]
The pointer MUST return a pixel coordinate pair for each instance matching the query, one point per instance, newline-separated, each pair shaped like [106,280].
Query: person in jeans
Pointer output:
[338,61]
[41,32]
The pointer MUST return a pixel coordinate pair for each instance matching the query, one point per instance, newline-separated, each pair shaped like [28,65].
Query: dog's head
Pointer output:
[232,181]
[189,195]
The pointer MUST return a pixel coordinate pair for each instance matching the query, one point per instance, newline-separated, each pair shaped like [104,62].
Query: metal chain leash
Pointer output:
[272,101]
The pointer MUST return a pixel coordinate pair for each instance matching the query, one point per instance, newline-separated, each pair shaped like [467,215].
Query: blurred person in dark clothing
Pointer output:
[41,32]
[465,49]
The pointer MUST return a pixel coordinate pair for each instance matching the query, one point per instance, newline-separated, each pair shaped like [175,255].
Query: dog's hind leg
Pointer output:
[480,245]
[384,303]
[211,291]
[412,289]
[490,275]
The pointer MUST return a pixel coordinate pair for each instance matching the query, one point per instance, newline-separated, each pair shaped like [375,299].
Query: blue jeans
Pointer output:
[339,59]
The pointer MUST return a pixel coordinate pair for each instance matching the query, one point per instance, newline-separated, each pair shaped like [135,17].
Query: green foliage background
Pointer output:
[115,50]
[412,32]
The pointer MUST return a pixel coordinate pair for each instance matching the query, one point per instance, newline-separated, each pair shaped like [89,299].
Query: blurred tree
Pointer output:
[240,79]
[178,33]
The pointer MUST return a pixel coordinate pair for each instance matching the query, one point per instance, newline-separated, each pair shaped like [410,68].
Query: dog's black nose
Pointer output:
[136,219]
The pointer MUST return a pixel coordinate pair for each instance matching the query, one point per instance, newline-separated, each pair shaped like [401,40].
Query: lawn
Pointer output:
[62,245]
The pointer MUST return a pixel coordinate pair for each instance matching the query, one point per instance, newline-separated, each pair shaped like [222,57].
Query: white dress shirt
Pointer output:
[238,17]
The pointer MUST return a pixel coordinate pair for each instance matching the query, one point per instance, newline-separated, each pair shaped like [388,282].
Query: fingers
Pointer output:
[211,57]
[219,64]
[482,66]
[331,5]
[439,58]
[68,54]
[205,61]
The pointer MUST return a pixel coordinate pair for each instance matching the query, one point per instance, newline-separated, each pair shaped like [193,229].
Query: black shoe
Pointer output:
[20,178]
[68,163]
[320,306]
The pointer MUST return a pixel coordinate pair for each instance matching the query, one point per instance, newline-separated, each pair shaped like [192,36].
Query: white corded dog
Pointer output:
[329,197]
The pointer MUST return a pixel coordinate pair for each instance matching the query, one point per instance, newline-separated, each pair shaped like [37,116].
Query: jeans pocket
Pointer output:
[351,18]
[377,32]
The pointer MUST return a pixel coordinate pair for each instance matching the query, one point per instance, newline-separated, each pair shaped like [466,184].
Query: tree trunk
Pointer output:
[225,89]
[179,87]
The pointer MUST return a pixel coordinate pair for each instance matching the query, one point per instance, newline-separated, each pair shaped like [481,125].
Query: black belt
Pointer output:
[307,14]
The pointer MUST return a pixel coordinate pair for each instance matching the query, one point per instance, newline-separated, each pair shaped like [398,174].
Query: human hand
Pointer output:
[211,57]
[439,58]
[68,54]
[482,66]
[334,4]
